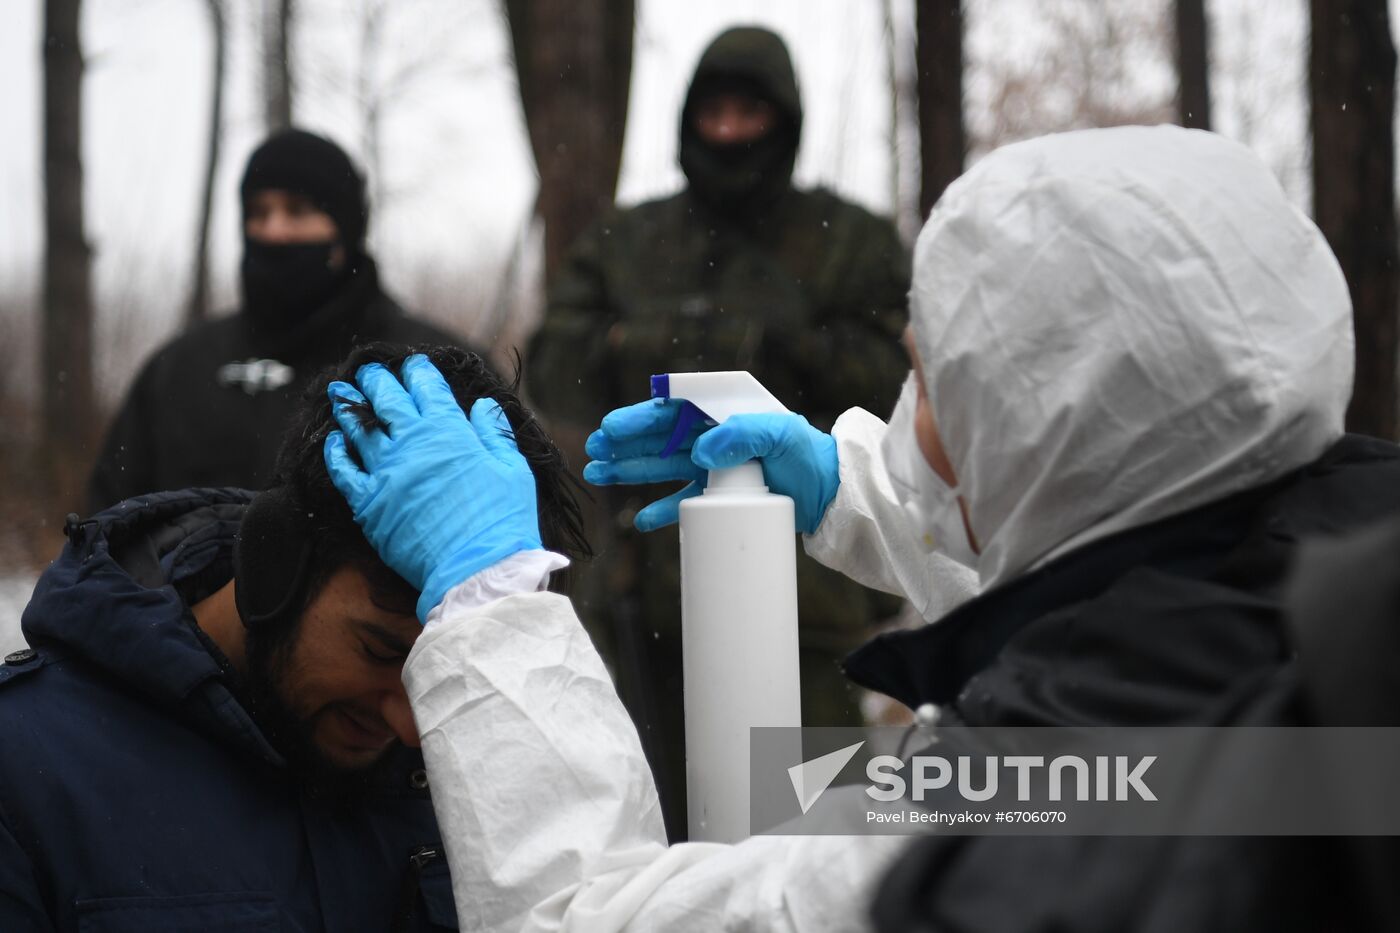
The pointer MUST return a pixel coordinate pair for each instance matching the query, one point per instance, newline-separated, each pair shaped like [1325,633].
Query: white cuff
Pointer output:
[521,572]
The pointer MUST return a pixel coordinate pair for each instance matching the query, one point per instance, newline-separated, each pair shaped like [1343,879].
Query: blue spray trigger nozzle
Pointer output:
[689,414]
[724,394]
[684,422]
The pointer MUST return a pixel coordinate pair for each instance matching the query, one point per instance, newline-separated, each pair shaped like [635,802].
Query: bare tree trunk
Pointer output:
[1352,82]
[372,15]
[574,62]
[67,333]
[277,67]
[942,136]
[1193,64]
[903,78]
[199,295]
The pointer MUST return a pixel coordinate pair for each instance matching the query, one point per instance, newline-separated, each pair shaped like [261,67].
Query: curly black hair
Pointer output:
[301,468]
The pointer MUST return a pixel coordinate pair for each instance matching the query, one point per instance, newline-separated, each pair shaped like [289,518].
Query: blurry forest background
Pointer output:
[492,131]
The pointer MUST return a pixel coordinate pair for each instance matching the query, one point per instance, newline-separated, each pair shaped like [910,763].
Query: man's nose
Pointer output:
[274,227]
[729,125]
[399,715]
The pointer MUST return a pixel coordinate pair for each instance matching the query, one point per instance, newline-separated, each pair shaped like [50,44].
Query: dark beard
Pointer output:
[269,654]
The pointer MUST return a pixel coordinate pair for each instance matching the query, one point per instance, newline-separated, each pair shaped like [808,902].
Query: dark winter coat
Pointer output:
[209,407]
[1181,622]
[136,793]
[1345,602]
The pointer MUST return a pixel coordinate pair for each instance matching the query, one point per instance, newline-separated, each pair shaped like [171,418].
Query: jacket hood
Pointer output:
[1120,325]
[110,598]
[757,59]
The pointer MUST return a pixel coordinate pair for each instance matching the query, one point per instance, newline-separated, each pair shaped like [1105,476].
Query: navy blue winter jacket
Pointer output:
[136,793]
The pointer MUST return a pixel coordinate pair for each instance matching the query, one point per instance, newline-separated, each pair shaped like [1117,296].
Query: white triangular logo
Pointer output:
[811,778]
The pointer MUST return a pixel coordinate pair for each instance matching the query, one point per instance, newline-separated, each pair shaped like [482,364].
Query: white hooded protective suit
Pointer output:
[1115,325]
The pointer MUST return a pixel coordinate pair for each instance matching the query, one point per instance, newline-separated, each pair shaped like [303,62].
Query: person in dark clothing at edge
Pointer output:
[209,407]
[740,270]
[1344,597]
[210,730]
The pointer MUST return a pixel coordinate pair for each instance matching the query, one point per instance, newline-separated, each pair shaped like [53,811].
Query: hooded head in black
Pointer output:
[304,218]
[735,177]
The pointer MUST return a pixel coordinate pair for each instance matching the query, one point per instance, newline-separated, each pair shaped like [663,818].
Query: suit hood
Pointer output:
[1120,325]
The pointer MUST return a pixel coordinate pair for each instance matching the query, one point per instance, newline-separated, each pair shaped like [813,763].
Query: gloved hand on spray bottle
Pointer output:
[442,495]
[798,460]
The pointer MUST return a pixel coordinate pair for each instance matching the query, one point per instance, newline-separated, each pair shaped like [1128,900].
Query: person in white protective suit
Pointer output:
[1131,358]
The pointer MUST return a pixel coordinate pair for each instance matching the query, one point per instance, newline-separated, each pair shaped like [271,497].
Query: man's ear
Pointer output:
[272,558]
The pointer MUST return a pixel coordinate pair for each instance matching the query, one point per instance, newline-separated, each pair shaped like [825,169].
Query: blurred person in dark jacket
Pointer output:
[740,270]
[209,407]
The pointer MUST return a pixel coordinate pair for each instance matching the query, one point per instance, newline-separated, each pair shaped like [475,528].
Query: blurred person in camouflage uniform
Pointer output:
[740,270]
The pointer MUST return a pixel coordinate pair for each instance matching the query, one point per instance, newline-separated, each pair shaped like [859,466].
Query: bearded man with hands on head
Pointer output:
[210,729]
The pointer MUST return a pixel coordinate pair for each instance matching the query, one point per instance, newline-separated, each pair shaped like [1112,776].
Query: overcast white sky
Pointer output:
[456,174]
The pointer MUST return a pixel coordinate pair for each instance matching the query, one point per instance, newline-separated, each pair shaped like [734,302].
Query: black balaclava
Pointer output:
[739,179]
[283,283]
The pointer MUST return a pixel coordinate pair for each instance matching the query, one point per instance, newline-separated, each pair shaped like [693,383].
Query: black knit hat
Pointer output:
[315,168]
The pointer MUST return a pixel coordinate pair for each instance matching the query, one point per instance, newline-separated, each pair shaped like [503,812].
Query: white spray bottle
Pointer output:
[738,609]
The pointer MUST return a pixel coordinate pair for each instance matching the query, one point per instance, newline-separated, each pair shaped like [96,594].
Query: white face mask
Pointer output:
[930,504]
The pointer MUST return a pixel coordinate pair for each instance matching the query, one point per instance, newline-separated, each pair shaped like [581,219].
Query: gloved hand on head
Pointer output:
[441,495]
[798,460]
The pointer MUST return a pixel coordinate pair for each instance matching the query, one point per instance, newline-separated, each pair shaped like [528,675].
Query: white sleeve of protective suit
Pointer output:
[865,535]
[521,572]
[547,806]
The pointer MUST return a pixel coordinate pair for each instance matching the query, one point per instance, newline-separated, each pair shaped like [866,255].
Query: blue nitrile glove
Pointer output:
[626,449]
[442,495]
[798,460]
